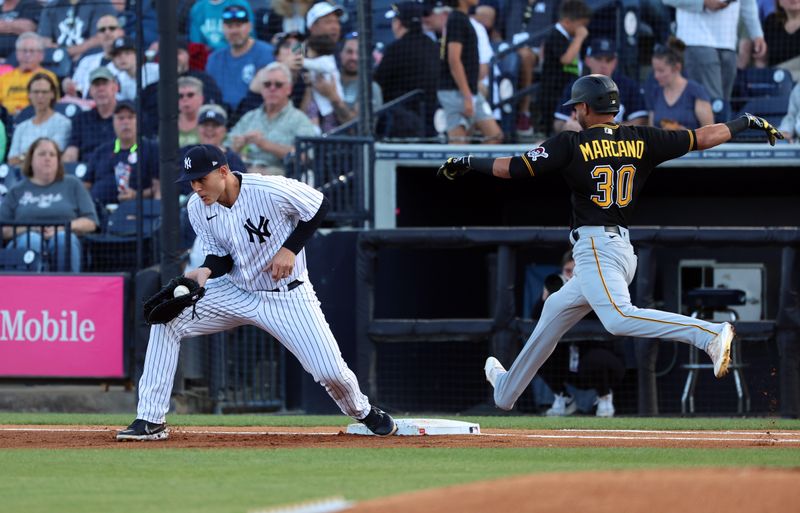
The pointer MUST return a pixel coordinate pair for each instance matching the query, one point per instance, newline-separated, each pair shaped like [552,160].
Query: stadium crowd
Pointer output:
[255,75]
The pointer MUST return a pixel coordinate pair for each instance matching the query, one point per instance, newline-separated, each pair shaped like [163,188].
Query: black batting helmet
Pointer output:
[598,92]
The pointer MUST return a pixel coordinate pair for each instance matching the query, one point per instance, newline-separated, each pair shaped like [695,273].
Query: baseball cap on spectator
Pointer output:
[212,114]
[408,13]
[122,43]
[201,160]
[434,7]
[601,47]
[125,105]
[235,14]
[101,72]
[320,9]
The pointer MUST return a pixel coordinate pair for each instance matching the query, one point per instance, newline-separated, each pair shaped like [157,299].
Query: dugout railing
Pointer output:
[505,326]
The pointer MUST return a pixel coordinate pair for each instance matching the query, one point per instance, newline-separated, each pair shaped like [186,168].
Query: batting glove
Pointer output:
[762,124]
[454,167]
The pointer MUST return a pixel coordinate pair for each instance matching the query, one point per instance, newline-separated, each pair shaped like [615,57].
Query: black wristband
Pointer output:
[305,229]
[484,166]
[738,125]
[219,265]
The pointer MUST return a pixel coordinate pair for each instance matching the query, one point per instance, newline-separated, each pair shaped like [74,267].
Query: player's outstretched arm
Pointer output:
[459,166]
[714,135]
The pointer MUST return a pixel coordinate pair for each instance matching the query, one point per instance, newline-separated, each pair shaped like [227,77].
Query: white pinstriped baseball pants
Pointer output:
[604,267]
[294,318]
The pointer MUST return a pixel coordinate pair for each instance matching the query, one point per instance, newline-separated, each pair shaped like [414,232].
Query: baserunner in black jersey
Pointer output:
[606,166]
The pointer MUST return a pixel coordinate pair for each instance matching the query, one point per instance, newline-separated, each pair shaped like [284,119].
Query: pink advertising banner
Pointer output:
[61,326]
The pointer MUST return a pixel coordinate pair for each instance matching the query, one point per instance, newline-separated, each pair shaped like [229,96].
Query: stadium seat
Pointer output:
[114,249]
[76,169]
[58,61]
[19,259]
[23,115]
[764,92]
[68,109]
[9,175]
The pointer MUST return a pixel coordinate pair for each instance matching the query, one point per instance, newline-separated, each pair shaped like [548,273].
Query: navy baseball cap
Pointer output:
[601,47]
[201,160]
[235,14]
[125,105]
[122,43]
[409,13]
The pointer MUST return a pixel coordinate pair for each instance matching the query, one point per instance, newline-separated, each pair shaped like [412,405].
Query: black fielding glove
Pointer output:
[455,167]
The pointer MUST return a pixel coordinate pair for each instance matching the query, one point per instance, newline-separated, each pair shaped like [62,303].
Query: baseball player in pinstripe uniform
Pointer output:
[253,229]
[606,166]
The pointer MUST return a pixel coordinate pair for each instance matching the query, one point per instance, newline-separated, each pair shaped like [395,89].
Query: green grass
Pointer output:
[510,422]
[162,479]
[238,480]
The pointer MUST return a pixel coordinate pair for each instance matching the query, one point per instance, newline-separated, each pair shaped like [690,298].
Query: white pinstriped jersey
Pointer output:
[255,227]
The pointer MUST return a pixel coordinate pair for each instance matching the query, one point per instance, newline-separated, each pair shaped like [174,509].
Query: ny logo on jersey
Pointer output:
[260,231]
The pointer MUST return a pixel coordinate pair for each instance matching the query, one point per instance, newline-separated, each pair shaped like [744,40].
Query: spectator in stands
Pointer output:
[287,16]
[289,51]
[601,58]
[434,18]
[90,128]
[410,62]
[709,30]
[48,195]
[326,84]
[190,99]
[17,17]
[124,58]
[562,55]
[72,24]
[108,31]
[211,90]
[207,21]
[782,36]
[212,129]
[349,75]
[593,365]
[14,84]
[266,135]
[235,66]
[485,55]
[45,123]
[323,20]
[114,168]
[465,108]
[790,124]
[677,103]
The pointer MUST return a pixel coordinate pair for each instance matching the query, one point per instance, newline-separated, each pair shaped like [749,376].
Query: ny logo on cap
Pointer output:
[214,162]
[187,163]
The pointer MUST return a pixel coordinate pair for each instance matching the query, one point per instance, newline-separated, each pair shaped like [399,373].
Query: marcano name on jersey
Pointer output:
[598,149]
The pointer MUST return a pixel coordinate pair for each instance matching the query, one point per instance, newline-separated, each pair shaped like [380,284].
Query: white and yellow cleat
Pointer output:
[719,349]
[492,367]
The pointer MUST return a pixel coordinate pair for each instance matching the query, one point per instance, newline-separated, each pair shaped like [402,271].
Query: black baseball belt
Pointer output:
[291,286]
[609,229]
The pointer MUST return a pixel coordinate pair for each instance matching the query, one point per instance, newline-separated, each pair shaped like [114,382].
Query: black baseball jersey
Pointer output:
[606,167]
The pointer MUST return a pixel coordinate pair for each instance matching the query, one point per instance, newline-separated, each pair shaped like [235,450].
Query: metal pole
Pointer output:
[365,67]
[168,136]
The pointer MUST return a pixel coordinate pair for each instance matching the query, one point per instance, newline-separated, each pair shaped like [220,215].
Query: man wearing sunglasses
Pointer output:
[108,30]
[264,136]
[207,17]
[234,66]
[72,24]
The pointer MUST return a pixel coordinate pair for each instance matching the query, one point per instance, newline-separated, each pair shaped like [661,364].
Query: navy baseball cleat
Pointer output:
[379,422]
[142,430]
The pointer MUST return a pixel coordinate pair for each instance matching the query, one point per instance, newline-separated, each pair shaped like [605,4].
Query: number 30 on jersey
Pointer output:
[614,187]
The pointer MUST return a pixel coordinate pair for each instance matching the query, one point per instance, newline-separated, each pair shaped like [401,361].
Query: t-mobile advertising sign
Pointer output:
[61,326]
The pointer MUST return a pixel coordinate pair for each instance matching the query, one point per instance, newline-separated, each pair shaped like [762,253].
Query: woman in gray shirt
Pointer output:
[48,197]
[46,122]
